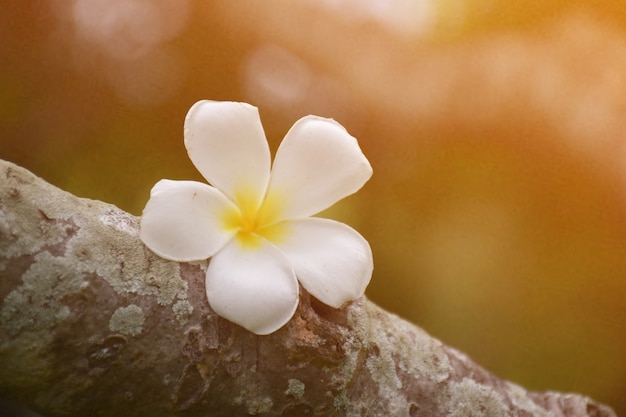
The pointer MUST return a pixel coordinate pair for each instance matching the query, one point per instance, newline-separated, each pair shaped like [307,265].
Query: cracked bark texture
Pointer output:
[92,323]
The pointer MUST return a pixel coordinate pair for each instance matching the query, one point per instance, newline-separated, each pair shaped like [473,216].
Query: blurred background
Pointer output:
[496,129]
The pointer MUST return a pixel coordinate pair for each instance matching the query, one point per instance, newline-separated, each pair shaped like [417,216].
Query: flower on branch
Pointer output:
[255,222]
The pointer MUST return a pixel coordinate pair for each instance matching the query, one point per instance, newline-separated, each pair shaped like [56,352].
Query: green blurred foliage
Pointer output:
[497,208]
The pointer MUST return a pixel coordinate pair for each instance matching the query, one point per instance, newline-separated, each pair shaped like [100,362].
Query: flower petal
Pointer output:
[226,143]
[254,287]
[317,164]
[181,220]
[332,261]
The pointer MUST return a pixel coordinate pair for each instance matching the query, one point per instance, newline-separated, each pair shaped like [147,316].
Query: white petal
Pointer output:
[332,261]
[226,142]
[254,287]
[183,220]
[317,164]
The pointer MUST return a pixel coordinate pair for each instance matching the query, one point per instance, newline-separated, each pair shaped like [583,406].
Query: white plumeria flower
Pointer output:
[255,223]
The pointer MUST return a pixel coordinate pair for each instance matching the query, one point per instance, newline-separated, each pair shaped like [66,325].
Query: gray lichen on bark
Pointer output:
[93,323]
[127,320]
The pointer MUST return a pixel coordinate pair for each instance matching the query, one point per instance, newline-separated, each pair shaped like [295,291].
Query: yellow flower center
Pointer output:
[252,222]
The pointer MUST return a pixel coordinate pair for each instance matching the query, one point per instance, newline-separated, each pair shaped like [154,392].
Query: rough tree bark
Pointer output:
[92,323]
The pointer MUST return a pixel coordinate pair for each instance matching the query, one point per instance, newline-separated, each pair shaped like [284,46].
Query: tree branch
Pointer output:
[92,323]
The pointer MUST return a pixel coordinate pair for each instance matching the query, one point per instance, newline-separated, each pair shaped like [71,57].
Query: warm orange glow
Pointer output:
[496,130]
